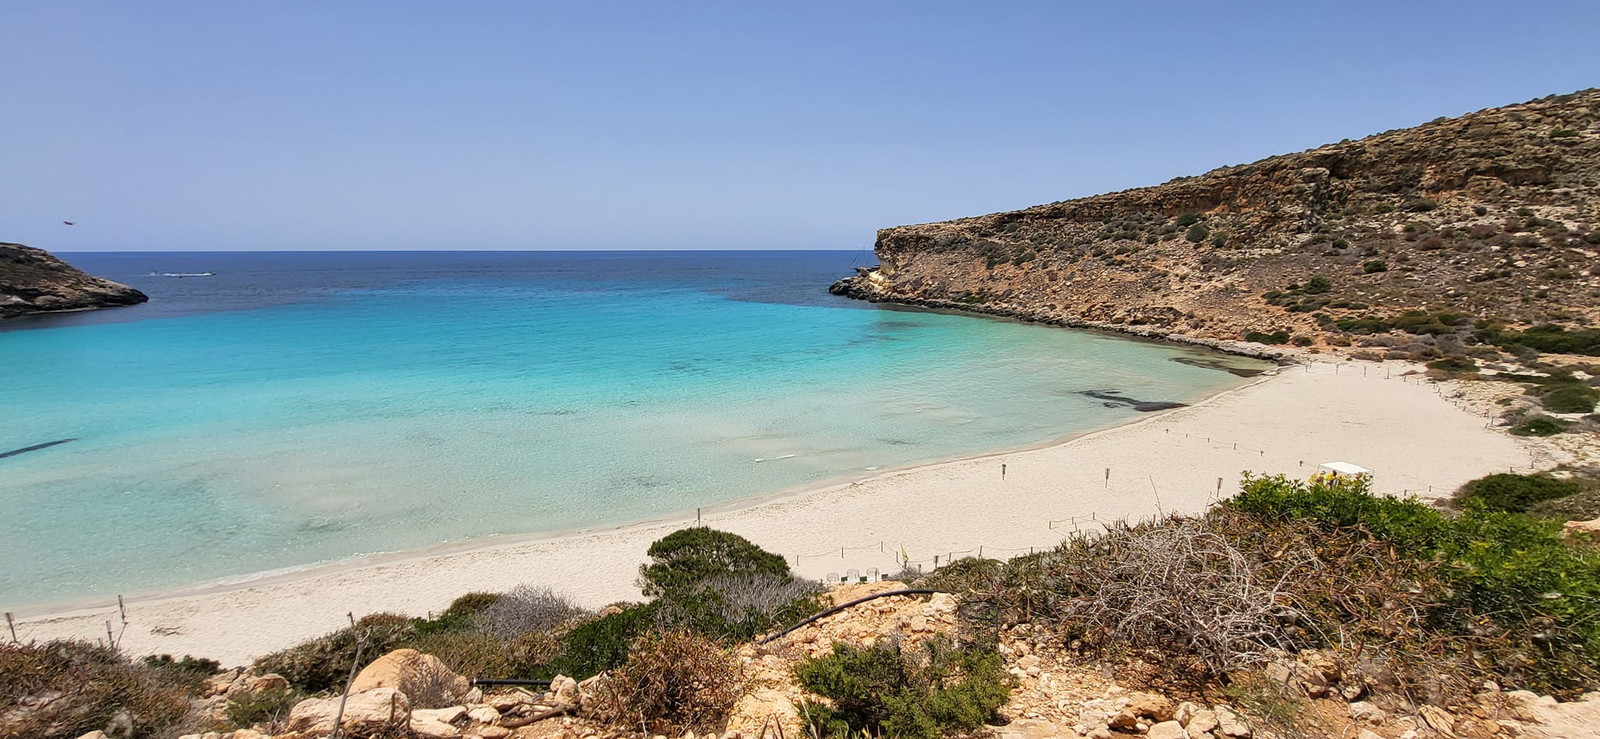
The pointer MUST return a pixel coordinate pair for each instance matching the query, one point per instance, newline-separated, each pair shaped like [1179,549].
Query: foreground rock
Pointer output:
[34,281]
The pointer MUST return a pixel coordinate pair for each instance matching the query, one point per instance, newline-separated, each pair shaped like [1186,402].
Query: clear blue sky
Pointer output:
[591,125]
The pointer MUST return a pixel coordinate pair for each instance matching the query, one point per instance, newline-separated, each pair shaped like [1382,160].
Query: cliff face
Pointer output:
[1489,215]
[34,281]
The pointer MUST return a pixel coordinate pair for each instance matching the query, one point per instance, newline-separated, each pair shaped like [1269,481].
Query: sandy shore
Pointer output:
[1406,430]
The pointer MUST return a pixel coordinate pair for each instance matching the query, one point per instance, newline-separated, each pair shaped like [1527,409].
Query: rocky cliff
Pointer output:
[1489,216]
[34,281]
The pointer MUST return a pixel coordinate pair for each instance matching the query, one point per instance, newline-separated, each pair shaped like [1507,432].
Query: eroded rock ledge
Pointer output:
[35,281]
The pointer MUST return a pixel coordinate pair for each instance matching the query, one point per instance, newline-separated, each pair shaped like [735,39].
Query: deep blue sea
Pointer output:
[298,408]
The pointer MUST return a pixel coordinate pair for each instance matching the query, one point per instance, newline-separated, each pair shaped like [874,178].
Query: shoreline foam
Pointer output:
[1165,461]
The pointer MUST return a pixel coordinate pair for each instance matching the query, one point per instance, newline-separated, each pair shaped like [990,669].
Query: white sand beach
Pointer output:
[1405,429]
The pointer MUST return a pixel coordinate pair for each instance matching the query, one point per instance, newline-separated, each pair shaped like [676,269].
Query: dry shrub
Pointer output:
[672,682]
[324,663]
[468,653]
[64,689]
[526,609]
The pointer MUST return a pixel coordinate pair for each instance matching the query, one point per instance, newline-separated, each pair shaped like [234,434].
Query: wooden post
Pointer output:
[12,624]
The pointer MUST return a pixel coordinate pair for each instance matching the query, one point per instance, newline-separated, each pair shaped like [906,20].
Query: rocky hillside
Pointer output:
[1494,215]
[34,281]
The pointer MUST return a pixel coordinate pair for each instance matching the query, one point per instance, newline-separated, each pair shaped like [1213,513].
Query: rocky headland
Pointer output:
[1489,217]
[35,281]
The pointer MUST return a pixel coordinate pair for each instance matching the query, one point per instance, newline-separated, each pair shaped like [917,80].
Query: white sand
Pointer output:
[1405,430]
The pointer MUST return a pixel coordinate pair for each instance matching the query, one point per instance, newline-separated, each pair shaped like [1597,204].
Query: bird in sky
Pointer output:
[70,223]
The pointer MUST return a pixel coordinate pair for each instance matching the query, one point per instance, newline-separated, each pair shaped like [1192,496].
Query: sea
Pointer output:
[272,411]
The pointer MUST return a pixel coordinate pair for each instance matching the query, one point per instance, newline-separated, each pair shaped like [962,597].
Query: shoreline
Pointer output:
[74,606]
[1176,460]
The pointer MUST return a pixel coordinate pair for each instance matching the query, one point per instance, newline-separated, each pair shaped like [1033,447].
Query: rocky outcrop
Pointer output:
[1495,214]
[34,281]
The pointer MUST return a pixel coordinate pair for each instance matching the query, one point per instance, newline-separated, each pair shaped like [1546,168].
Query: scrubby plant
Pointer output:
[1276,337]
[1197,233]
[1512,493]
[324,663]
[1569,397]
[737,608]
[1317,285]
[189,671]
[524,610]
[671,683]
[269,708]
[65,689]
[459,614]
[690,556]
[602,643]
[1539,425]
[967,573]
[922,690]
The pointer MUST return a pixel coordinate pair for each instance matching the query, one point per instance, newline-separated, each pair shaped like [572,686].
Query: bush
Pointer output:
[1374,265]
[1512,493]
[923,691]
[1581,506]
[64,689]
[602,644]
[324,663]
[690,556]
[672,683]
[1539,426]
[1569,398]
[1454,365]
[1276,337]
[266,707]
[459,615]
[967,573]
[737,608]
[1317,285]
[1197,233]
[1421,205]
[1187,219]
[190,672]
[524,610]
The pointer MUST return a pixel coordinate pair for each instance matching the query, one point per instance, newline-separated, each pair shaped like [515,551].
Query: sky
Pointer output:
[299,125]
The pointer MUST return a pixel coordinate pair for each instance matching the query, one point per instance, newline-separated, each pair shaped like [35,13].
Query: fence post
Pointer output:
[11,624]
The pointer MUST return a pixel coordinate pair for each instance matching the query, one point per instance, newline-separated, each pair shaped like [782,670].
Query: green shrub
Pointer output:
[1276,337]
[1539,426]
[1374,265]
[690,556]
[1454,365]
[1197,233]
[967,573]
[1581,506]
[1317,285]
[460,614]
[1513,493]
[737,608]
[1421,205]
[1569,398]
[1188,219]
[1562,133]
[190,672]
[324,663]
[268,707]
[921,691]
[602,644]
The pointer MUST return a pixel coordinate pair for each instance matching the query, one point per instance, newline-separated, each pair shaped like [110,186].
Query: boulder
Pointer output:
[1201,721]
[1157,708]
[483,715]
[421,676]
[442,715]
[764,705]
[1231,724]
[1167,730]
[1031,729]
[364,713]
[493,732]
[432,728]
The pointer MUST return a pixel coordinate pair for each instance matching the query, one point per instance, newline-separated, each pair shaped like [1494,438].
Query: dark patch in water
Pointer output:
[1114,400]
[34,448]
[1217,364]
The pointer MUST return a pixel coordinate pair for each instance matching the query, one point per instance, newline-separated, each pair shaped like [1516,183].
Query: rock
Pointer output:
[1186,711]
[1151,706]
[484,715]
[1364,711]
[1591,527]
[255,684]
[421,676]
[1124,720]
[1167,730]
[493,732]
[1231,724]
[1028,728]
[96,734]
[1438,719]
[35,281]
[1368,734]
[433,729]
[442,715]
[753,711]
[1202,722]
[564,689]
[364,712]
[249,734]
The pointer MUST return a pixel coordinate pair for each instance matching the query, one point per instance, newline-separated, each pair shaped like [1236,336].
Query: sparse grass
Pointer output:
[64,689]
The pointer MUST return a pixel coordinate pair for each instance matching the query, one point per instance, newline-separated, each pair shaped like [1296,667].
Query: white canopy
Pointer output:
[1345,468]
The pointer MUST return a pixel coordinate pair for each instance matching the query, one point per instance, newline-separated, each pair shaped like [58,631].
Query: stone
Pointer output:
[1151,706]
[1364,711]
[1368,734]
[484,715]
[503,702]
[443,715]
[96,734]
[1231,724]
[364,712]
[1028,728]
[493,732]
[1167,730]
[564,690]
[249,734]
[1202,722]
[432,728]
[415,673]
[1186,711]
[1438,719]
[756,708]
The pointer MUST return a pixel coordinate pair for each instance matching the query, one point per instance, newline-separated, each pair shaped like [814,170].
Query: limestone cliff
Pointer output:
[1489,215]
[34,281]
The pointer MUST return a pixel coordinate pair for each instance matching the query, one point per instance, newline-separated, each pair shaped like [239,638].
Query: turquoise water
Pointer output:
[441,404]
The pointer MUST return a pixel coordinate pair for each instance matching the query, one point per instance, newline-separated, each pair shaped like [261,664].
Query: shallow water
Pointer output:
[304,407]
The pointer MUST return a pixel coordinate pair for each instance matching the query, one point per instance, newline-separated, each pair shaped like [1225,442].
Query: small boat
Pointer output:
[183,274]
